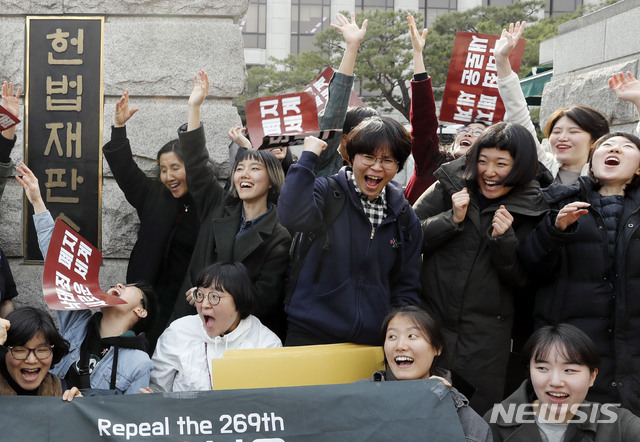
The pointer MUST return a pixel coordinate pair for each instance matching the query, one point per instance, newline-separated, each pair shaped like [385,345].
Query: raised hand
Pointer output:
[236,134]
[460,201]
[626,87]
[10,101]
[200,89]
[505,45]
[570,213]
[417,40]
[4,328]
[502,220]
[29,182]
[123,112]
[73,392]
[351,33]
[315,145]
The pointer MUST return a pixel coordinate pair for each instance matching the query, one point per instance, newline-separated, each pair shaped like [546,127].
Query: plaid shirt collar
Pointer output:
[375,209]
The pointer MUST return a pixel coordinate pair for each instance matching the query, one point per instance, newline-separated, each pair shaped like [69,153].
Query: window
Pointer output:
[307,18]
[431,9]
[369,5]
[254,25]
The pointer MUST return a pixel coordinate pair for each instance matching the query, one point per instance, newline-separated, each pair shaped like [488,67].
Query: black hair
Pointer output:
[271,163]
[635,181]
[172,146]
[512,138]
[572,343]
[587,118]
[234,279]
[374,133]
[355,115]
[150,304]
[425,322]
[26,322]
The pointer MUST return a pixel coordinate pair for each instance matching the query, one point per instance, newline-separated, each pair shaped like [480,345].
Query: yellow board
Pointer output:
[295,366]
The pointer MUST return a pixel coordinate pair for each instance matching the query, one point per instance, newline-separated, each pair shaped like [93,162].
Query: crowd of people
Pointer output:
[495,240]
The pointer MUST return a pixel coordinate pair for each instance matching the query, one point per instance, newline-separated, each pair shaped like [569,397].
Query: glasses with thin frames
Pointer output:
[387,163]
[21,353]
[468,130]
[214,297]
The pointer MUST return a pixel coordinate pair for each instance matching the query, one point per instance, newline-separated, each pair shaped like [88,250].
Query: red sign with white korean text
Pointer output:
[471,91]
[319,88]
[70,280]
[290,114]
[7,119]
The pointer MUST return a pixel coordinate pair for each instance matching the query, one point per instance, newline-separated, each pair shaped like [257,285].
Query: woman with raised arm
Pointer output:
[239,225]
[585,257]
[168,217]
[571,130]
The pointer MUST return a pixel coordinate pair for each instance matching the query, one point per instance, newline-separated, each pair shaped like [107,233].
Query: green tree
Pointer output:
[384,62]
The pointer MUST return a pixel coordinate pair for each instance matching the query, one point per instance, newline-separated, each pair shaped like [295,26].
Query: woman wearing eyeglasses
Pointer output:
[224,298]
[31,344]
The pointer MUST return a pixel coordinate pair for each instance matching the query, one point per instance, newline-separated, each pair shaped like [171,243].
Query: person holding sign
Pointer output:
[572,130]
[224,298]
[473,219]
[31,344]
[367,260]
[240,225]
[413,347]
[108,350]
[424,124]
[168,217]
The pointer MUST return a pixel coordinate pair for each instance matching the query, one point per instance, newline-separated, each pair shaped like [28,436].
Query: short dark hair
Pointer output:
[635,181]
[374,133]
[150,304]
[172,146]
[355,115]
[512,138]
[234,278]
[587,118]
[425,322]
[571,342]
[26,322]
[271,163]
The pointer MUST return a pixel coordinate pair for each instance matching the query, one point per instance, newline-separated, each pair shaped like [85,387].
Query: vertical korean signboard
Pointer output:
[63,121]
[471,91]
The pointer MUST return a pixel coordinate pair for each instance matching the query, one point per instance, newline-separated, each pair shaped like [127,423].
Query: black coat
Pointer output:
[581,284]
[159,257]
[263,248]
[469,279]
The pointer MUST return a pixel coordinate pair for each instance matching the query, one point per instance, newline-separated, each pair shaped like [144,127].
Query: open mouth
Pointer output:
[403,361]
[563,147]
[208,320]
[30,374]
[491,184]
[245,185]
[372,181]
[555,396]
[114,291]
[612,161]
[465,143]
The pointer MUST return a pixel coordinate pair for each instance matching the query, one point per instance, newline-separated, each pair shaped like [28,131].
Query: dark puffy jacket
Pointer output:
[469,279]
[580,284]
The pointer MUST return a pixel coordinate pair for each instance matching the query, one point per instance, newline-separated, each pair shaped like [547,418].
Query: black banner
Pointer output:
[367,411]
[63,120]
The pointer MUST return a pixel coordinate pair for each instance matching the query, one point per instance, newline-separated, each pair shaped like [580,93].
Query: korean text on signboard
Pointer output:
[71,270]
[288,114]
[63,116]
[471,91]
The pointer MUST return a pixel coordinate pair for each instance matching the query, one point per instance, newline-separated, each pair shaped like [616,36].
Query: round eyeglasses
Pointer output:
[387,163]
[468,130]
[21,353]
[213,297]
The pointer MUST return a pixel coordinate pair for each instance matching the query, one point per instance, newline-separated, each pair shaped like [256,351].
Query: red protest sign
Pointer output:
[319,88]
[7,119]
[471,91]
[289,114]
[70,280]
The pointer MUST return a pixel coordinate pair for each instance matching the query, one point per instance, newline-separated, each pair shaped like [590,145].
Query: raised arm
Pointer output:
[417,42]
[340,86]
[627,88]
[123,112]
[198,94]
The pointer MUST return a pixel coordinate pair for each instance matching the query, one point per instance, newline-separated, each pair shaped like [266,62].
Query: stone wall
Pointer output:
[586,52]
[153,48]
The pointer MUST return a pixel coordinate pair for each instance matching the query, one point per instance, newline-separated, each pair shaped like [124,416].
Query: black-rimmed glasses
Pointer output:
[387,163]
[21,353]
[214,297]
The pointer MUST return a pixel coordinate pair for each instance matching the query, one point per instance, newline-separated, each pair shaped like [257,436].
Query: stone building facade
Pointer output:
[153,48]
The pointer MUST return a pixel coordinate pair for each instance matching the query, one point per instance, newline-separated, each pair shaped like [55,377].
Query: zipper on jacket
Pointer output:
[373,232]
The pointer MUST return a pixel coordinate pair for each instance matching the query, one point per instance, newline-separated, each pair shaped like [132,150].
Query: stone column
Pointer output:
[153,48]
